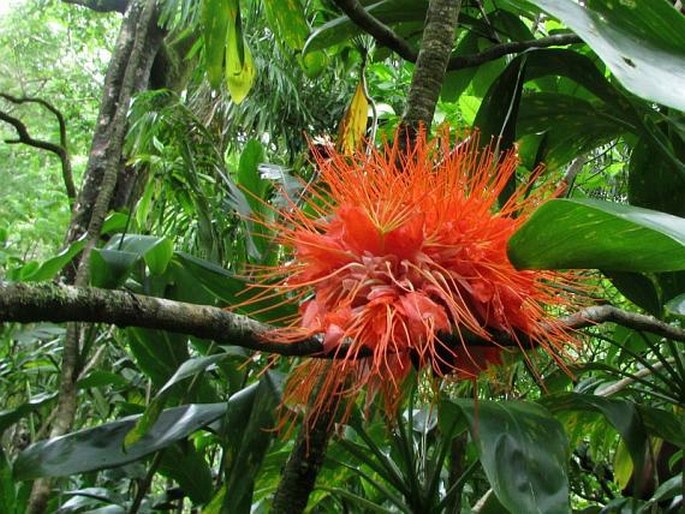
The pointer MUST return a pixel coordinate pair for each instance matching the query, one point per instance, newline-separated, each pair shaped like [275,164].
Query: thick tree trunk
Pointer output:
[137,45]
[431,64]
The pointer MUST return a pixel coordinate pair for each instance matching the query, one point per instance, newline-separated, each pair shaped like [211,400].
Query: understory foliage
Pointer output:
[268,172]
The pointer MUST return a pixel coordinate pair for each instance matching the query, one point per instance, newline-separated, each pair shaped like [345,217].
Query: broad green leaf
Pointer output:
[657,182]
[638,288]
[249,178]
[101,378]
[109,269]
[642,42]
[563,234]
[524,453]
[189,469]
[676,306]
[8,491]
[215,16]
[158,353]
[11,416]
[102,447]
[572,126]
[248,431]
[621,414]
[156,251]
[286,18]
[37,272]
[664,424]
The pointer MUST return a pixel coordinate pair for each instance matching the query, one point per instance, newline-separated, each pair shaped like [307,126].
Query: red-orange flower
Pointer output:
[401,259]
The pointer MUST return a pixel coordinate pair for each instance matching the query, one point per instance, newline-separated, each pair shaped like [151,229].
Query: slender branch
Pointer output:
[102,5]
[385,36]
[599,314]
[26,303]
[458,62]
[60,150]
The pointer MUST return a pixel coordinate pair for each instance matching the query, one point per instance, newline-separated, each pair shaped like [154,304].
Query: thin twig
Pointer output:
[23,137]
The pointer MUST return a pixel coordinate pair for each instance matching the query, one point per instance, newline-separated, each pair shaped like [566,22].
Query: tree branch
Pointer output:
[60,150]
[102,5]
[26,303]
[429,74]
[385,36]
[458,62]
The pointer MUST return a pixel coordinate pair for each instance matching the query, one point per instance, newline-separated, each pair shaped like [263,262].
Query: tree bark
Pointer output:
[138,42]
[431,64]
[137,45]
[304,463]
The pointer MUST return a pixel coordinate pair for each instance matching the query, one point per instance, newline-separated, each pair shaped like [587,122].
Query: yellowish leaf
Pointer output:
[353,125]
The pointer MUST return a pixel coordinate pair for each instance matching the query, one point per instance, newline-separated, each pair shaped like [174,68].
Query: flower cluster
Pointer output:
[399,258]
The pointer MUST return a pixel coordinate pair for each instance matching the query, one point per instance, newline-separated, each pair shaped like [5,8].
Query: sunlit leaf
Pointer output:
[595,234]
[642,43]
[215,16]
[240,70]
[353,125]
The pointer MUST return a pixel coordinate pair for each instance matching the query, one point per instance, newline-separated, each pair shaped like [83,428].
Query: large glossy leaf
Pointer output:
[102,447]
[642,42]
[189,468]
[158,353]
[572,126]
[287,20]
[595,234]
[524,452]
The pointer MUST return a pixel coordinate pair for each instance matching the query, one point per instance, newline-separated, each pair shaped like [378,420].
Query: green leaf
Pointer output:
[676,306]
[8,491]
[215,15]
[156,251]
[109,269]
[188,467]
[524,452]
[102,447]
[158,353]
[343,29]
[100,378]
[621,414]
[11,416]
[563,234]
[37,272]
[248,431]
[638,288]
[286,19]
[642,43]
[572,126]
